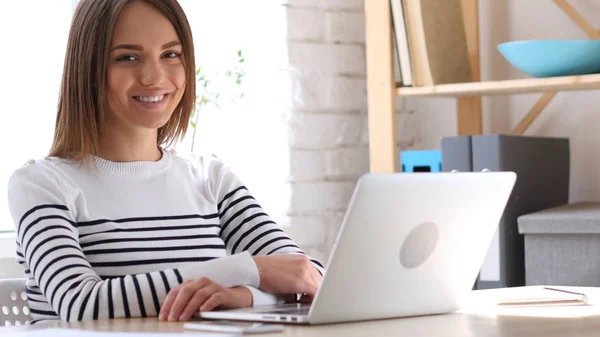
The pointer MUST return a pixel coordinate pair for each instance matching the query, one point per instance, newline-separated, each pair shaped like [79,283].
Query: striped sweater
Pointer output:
[111,241]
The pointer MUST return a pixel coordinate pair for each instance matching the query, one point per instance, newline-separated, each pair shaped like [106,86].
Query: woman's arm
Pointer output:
[246,227]
[43,211]
[284,269]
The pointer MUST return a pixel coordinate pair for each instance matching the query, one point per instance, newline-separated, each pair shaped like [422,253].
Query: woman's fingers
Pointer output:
[306,298]
[203,294]
[185,294]
[166,307]
[197,300]
[216,299]
[316,280]
[168,303]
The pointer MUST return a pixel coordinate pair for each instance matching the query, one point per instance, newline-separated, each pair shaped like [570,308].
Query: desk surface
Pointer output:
[479,317]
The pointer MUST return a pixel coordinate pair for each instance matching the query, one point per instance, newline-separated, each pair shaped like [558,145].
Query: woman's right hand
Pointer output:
[287,274]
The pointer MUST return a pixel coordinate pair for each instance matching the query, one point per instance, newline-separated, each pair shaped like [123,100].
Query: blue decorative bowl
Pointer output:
[547,58]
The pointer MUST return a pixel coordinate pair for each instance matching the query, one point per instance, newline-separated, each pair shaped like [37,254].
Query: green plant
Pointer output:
[217,86]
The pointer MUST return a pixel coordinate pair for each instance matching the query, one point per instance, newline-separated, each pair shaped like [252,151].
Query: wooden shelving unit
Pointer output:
[566,83]
[382,89]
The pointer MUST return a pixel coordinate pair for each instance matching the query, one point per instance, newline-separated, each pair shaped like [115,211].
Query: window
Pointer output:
[249,135]
[33,38]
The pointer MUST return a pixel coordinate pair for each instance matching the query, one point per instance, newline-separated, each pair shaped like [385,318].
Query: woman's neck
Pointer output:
[129,146]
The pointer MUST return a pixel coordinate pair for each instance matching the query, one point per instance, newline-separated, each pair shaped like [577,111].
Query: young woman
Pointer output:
[111,224]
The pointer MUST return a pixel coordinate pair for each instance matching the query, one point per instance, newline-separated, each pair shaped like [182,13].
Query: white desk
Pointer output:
[479,317]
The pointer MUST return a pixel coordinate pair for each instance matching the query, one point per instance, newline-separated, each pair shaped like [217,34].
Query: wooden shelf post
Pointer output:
[383,151]
[468,109]
[535,111]
[578,19]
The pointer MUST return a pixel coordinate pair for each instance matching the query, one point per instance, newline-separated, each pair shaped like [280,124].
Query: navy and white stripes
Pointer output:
[109,244]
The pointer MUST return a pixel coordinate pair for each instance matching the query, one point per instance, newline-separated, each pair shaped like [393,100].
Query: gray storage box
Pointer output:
[562,245]
[542,165]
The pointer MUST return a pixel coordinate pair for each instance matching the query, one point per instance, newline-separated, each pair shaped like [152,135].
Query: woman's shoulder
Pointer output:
[208,165]
[42,184]
[36,169]
[39,171]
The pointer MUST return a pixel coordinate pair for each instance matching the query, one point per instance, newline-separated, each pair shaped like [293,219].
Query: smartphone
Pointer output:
[233,326]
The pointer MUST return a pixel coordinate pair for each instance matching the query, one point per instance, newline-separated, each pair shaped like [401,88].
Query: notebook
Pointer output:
[545,296]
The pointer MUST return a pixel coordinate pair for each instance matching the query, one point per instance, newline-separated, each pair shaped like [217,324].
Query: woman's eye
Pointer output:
[126,58]
[171,55]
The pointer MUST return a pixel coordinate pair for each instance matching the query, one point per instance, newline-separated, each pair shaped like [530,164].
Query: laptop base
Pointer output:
[290,313]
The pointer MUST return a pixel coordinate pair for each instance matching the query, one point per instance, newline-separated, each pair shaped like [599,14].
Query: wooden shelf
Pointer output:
[382,89]
[520,86]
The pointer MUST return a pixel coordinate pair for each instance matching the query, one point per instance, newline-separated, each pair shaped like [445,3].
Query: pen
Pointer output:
[568,292]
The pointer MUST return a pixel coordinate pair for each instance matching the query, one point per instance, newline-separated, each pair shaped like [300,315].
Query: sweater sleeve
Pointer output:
[44,213]
[245,226]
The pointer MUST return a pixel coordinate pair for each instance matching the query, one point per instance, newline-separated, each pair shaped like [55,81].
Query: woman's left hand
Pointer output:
[202,294]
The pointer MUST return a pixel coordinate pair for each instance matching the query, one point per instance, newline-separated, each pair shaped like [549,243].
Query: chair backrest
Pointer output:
[14,308]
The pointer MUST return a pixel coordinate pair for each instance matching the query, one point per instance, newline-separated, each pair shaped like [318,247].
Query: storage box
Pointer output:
[542,165]
[421,161]
[562,245]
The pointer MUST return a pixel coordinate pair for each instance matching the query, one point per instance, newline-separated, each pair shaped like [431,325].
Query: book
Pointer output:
[401,43]
[437,42]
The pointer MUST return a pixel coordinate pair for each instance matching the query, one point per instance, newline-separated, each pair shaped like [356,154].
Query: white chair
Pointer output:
[14,308]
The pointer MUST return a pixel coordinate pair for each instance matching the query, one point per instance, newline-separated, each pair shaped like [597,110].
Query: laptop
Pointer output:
[410,244]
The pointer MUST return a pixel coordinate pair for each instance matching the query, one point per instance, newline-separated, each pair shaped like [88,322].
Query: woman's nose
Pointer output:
[151,73]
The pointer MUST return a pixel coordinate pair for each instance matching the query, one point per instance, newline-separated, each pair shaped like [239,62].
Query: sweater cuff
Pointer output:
[228,271]
[260,297]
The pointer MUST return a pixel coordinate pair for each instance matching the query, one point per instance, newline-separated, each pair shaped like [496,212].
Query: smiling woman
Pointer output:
[129,75]
[111,223]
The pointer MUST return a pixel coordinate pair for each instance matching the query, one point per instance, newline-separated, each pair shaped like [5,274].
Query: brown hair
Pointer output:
[82,103]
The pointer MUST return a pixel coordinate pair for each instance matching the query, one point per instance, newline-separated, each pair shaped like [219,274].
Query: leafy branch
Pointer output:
[216,87]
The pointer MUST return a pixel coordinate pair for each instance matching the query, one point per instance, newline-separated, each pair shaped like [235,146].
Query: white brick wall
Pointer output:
[333,4]
[307,165]
[328,92]
[320,198]
[306,24]
[325,130]
[326,118]
[407,130]
[345,26]
[323,58]
[309,230]
[346,164]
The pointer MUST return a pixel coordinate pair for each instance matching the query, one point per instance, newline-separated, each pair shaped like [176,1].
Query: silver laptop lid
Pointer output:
[411,244]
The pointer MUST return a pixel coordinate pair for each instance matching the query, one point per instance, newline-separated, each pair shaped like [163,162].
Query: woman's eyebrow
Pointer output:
[138,47]
[171,44]
[127,46]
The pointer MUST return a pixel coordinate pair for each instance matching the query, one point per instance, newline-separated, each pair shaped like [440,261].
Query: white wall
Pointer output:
[571,114]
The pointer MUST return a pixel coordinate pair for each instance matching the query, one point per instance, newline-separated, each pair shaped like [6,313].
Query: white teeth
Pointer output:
[150,99]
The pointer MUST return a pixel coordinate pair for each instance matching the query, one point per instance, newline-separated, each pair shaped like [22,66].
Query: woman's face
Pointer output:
[146,75]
